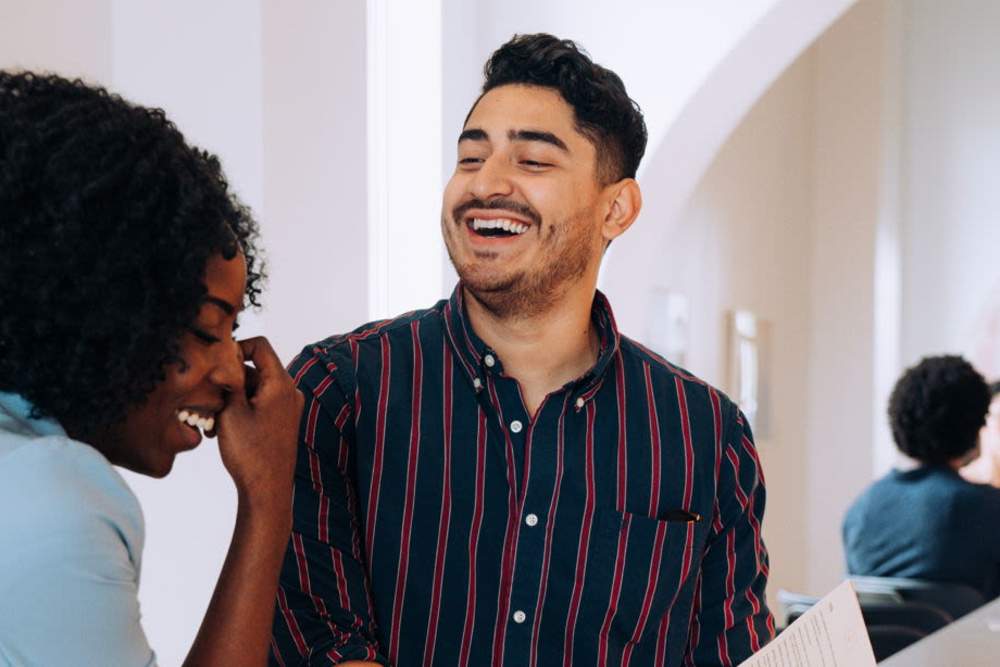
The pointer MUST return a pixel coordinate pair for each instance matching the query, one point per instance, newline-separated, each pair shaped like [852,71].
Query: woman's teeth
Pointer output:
[505,224]
[194,419]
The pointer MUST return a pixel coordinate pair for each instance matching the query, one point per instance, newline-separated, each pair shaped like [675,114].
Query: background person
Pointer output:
[929,523]
[124,262]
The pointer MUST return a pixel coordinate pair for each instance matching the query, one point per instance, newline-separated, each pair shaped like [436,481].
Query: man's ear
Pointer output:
[625,203]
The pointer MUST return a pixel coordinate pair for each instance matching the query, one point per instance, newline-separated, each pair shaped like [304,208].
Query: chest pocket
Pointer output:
[652,565]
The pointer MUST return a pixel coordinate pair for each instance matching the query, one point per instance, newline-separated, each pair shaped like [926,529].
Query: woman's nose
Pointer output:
[228,370]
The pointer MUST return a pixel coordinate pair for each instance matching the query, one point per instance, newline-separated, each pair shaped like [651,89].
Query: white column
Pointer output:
[404,155]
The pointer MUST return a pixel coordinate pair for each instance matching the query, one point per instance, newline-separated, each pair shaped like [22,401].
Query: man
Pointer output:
[504,479]
[928,522]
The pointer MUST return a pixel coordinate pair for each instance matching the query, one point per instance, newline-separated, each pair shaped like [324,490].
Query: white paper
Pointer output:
[831,634]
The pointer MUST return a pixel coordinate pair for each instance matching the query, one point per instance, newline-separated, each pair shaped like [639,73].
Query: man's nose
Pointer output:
[492,179]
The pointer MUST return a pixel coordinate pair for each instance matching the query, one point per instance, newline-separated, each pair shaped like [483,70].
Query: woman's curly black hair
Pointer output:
[107,221]
[604,112]
[937,408]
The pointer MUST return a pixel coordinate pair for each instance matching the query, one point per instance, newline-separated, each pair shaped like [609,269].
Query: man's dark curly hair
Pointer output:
[937,408]
[604,112]
[107,221]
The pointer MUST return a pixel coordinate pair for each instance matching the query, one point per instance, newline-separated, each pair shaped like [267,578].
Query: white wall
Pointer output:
[71,38]
[744,240]
[849,134]
[662,50]
[315,171]
[951,202]
[708,115]
[784,224]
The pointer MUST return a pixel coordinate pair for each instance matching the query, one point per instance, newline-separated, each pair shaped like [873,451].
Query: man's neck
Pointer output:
[546,350]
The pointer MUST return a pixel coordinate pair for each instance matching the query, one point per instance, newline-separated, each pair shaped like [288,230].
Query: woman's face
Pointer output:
[193,393]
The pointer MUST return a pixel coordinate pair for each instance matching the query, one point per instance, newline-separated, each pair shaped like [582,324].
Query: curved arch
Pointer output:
[676,165]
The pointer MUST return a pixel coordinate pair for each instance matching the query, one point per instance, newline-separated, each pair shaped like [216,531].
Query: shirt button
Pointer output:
[531,520]
[579,403]
[516,426]
[477,383]
[490,360]
[519,616]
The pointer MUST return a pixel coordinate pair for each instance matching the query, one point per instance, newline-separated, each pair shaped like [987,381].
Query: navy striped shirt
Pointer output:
[437,523]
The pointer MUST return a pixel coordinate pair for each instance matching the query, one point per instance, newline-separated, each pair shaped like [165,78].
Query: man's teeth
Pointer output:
[505,224]
[194,419]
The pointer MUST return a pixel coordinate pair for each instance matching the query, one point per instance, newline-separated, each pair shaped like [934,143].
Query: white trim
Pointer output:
[378,205]
[404,155]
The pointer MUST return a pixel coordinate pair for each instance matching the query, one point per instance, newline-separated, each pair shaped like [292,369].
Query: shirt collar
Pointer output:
[477,359]
[16,416]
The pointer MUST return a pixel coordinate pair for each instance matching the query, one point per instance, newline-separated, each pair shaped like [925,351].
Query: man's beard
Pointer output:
[523,295]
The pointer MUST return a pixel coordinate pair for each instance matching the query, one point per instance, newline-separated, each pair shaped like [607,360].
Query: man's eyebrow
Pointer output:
[222,304]
[537,135]
[474,134]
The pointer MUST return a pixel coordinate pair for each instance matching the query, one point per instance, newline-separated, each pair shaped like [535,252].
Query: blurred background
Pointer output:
[827,166]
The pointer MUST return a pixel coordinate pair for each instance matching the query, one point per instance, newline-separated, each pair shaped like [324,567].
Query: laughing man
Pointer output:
[504,478]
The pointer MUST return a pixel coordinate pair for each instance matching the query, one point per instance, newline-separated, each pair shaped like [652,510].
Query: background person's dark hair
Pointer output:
[937,408]
[107,221]
[604,112]
[995,388]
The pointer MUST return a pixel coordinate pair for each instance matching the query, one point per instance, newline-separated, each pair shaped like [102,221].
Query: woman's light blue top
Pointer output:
[71,536]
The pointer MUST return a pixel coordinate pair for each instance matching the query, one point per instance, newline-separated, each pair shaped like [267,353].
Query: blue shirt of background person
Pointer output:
[929,523]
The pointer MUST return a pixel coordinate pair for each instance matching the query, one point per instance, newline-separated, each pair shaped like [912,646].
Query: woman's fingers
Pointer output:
[258,351]
[259,427]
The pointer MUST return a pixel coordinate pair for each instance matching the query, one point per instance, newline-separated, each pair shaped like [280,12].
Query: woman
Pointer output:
[124,263]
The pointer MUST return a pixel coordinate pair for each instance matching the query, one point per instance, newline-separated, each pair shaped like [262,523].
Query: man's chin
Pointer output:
[480,285]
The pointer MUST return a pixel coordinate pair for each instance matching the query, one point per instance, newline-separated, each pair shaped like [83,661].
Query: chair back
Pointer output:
[955,599]
[916,615]
[893,623]
[889,639]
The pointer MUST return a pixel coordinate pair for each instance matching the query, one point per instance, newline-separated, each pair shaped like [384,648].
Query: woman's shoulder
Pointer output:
[73,535]
[54,489]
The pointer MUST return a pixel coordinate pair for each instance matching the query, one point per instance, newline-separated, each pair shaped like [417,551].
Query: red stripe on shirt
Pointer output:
[444,521]
[291,623]
[655,564]
[477,521]
[383,406]
[583,546]
[411,488]
[616,590]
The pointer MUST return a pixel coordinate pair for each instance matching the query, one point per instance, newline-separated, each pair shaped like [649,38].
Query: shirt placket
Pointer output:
[532,450]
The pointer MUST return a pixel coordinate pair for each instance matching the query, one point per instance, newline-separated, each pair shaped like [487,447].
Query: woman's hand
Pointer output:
[258,434]
[258,429]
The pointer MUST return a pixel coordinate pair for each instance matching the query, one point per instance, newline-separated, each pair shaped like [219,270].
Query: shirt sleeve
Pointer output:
[731,620]
[70,570]
[324,611]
